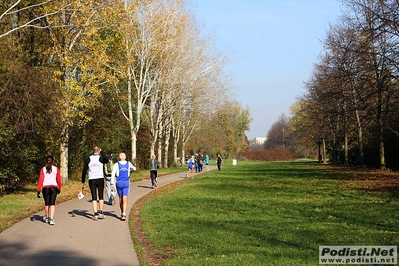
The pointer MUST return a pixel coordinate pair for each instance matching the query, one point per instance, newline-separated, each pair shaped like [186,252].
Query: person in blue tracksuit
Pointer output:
[120,181]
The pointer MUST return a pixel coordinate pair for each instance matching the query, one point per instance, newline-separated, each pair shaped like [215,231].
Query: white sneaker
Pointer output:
[101,215]
[45,219]
[51,222]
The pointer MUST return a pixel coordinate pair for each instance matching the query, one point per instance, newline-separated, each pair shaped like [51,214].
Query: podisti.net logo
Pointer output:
[358,255]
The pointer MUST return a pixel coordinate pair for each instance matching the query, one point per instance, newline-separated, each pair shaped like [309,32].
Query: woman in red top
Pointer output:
[50,183]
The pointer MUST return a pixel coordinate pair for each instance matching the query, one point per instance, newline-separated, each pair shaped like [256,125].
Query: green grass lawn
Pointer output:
[271,214]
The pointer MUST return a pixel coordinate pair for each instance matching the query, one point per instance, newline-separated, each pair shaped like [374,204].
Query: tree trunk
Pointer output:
[346,137]
[360,136]
[334,140]
[177,159]
[133,128]
[152,148]
[380,125]
[154,137]
[346,143]
[382,149]
[183,152]
[167,141]
[160,137]
[361,146]
[324,151]
[160,150]
[134,146]
[64,154]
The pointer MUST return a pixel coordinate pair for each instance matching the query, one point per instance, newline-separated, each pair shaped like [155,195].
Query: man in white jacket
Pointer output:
[94,167]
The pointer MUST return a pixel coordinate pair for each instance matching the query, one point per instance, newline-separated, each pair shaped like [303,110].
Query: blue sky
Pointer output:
[274,45]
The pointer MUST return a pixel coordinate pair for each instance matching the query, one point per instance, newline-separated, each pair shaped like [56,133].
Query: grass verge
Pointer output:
[269,214]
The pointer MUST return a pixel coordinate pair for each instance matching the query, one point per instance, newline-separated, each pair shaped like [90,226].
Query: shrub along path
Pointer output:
[76,239]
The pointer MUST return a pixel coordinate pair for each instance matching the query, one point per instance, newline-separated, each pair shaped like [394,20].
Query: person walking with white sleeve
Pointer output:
[94,166]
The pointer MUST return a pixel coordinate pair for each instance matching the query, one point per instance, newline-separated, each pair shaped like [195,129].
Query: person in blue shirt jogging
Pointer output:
[207,162]
[120,181]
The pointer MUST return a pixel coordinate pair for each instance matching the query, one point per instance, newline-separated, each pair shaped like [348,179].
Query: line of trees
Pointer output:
[133,76]
[352,98]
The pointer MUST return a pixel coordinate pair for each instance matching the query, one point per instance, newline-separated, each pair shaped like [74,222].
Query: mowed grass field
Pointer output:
[275,213]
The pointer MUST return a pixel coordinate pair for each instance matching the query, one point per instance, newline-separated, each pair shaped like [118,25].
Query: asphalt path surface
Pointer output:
[76,239]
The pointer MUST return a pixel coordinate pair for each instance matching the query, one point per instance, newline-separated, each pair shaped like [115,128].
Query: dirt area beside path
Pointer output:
[147,253]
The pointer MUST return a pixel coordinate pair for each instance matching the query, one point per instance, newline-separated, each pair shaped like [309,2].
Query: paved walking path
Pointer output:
[76,239]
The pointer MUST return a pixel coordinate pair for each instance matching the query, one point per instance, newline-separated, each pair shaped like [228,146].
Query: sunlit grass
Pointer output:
[268,214]
[21,204]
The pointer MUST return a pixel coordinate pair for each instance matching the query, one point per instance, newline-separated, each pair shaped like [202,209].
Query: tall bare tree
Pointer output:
[9,11]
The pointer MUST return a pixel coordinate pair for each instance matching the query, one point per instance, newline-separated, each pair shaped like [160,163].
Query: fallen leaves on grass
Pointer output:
[375,181]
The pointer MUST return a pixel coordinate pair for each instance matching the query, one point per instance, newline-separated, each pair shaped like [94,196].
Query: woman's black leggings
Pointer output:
[49,195]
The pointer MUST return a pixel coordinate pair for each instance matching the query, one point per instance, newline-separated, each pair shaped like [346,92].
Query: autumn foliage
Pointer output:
[267,155]
[127,76]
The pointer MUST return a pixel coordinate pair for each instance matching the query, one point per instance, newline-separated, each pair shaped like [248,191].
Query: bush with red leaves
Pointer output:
[268,155]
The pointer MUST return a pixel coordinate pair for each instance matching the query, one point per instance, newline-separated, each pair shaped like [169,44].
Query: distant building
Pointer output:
[258,141]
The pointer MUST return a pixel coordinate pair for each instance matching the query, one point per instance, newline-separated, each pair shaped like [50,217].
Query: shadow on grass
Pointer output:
[276,213]
[277,228]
